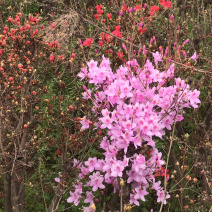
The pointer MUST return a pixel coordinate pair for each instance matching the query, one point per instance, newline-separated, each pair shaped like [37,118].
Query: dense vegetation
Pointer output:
[50,104]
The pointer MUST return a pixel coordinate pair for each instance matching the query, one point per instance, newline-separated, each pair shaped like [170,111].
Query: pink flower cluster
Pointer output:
[133,105]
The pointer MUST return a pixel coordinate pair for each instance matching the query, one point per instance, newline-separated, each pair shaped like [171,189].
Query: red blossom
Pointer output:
[87,42]
[142,30]
[10,19]
[53,25]
[104,36]
[98,7]
[96,16]
[117,32]
[109,51]
[99,11]
[35,32]
[138,7]
[125,8]
[73,55]
[100,132]
[153,9]
[109,15]
[101,43]
[10,79]
[51,58]
[120,55]
[58,152]
[166,4]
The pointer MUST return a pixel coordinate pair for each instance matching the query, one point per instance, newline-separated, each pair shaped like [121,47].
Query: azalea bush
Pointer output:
[132,106]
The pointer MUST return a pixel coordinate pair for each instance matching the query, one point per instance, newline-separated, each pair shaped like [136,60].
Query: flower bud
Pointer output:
[188,177]
[186,207]
[187,135]
[195,180]
[10,79]
[93,208]
[121,182]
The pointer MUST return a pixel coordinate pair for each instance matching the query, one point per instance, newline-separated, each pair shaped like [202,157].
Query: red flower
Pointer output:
[138,7]
[87,42]
[99,11]
[73,55]
[53,25]
[125,7]
[141,30]
[117,33]
[96,16]
[10,19]
[109,51]
[118,28]
[153,9]
[161,173]
[120,55]
[98,7]
[10,79]
[105,36]
[109,15]
[58,152]
[51,58]
[166,4]
[101,43]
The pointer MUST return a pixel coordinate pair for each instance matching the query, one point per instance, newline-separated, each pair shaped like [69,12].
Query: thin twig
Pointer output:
[44,199]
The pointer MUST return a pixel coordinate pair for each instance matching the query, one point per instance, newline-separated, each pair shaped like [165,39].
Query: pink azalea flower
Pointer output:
[140,193]
[75,197]
[157,57]
[91,164]
[92,64]
[87,94]
[194,57]
[85,123]
[133,200]
[106,122]
[89,197]
[96,181]
[160,195]
[57,179]
[117,169]
[194,98]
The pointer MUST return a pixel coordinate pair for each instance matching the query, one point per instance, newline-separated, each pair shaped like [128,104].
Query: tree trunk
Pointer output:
[18,191]
[14,189]
[7,191]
